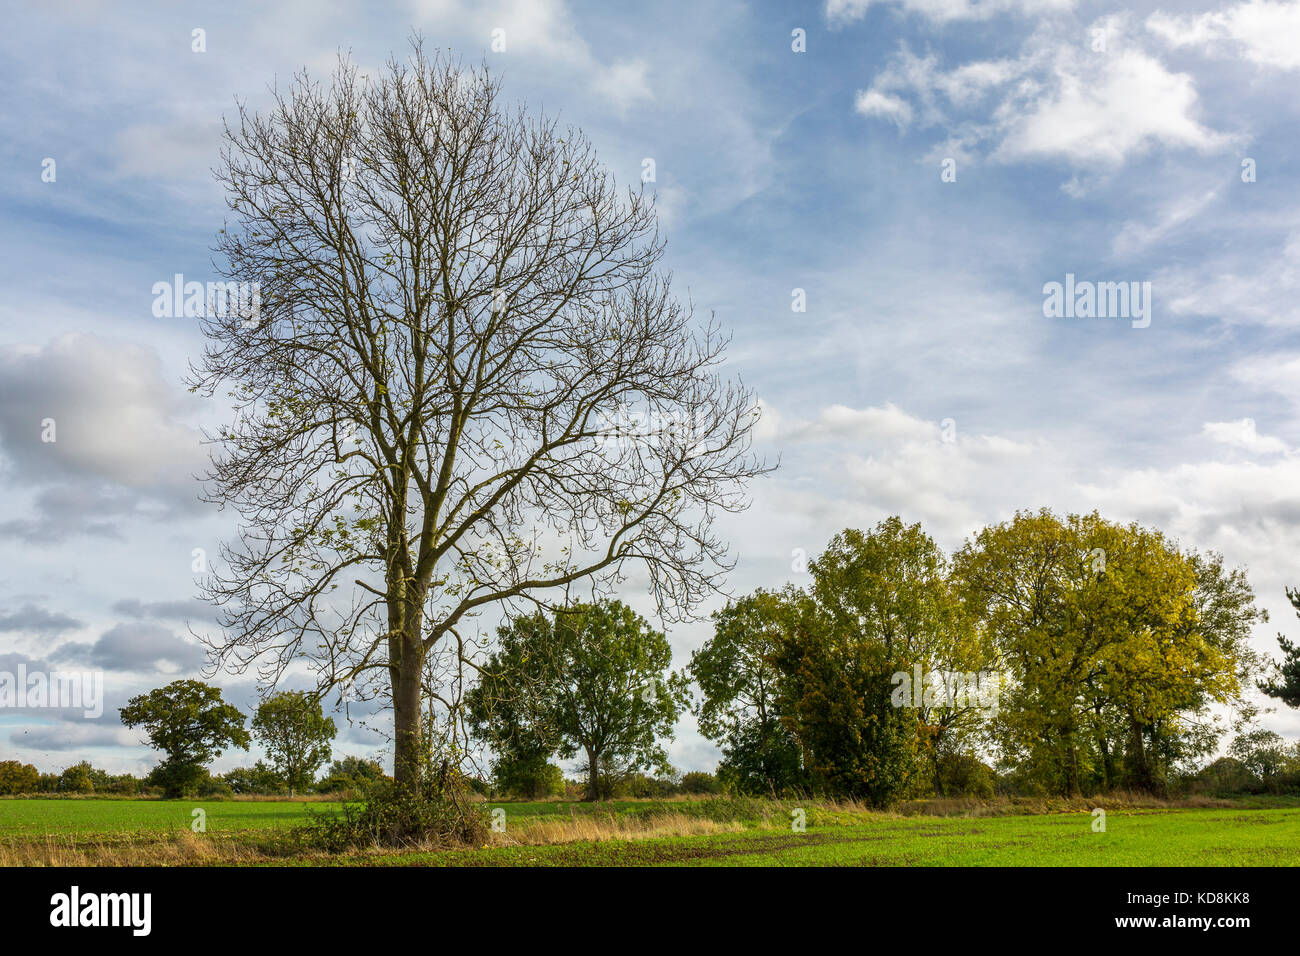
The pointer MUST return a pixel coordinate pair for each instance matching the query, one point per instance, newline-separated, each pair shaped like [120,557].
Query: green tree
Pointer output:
[738,677]
[532,778]
[1262,752]
[699,782]
[18,777]
[189,722]
[79,778]
[1117,645]
[592,680]
[296,734]
[351,773]
[258,778]
[512,708]
[881,606]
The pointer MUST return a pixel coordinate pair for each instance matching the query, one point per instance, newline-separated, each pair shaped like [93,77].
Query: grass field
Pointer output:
[674,833]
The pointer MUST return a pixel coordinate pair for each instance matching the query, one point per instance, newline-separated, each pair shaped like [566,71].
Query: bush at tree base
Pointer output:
[436,809]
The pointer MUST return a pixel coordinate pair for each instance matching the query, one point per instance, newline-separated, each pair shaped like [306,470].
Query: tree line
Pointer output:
[1048,655]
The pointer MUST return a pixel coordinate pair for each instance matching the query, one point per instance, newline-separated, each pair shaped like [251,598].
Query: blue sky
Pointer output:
[1088,139]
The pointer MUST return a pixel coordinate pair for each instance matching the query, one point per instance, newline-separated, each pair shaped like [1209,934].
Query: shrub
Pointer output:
[435,811]
[123,784]
[178,779]
[697,782]
[258,778]
[965,774]
[642,786]
[354,774]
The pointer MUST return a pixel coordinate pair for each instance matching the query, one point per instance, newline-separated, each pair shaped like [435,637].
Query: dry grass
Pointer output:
[175,849]
[183,848]
[596,827]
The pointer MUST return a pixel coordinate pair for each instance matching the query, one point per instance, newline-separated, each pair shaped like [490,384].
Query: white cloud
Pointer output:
[1057,100]
[116,418]
[839,423]
[1278,373]
[1103,108]
[546,30]
[1242,434]
[876,103]
[176,150]
[1242,287]
[942,11]
[1136,236]
[120,449]
[1259,31]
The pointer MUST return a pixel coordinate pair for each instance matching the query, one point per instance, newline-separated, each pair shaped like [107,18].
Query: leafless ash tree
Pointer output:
[460,313]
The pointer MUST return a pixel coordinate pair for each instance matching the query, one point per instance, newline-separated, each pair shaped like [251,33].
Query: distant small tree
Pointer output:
[18,777]
[351,773]
[697,782]
[79,778]
[296,734]
[532,778]
[258,778]
[592,681]
[189,722]
[123,783]
[1262,752]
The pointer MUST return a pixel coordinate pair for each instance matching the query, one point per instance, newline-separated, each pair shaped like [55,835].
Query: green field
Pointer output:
[1174,837]
[1169,838]
[36,817]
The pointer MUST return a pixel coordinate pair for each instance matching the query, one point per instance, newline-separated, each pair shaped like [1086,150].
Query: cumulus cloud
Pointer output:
[1058,100]
[75,737]
[886,461]
[1262,32]
[37,620]
[876,103]
[1242,434]
[94,428]
[137,647]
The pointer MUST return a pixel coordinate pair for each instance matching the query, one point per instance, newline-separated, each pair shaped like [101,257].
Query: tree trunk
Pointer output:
[1107,770]
[405,675]
[1137,766]
[1072,785]
[593,776]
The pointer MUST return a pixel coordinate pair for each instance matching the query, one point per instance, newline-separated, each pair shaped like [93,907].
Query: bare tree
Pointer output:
[460,314]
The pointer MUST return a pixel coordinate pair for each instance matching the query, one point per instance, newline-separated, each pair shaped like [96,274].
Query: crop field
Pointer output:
[35,817]
[1162,838]
[672,833]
